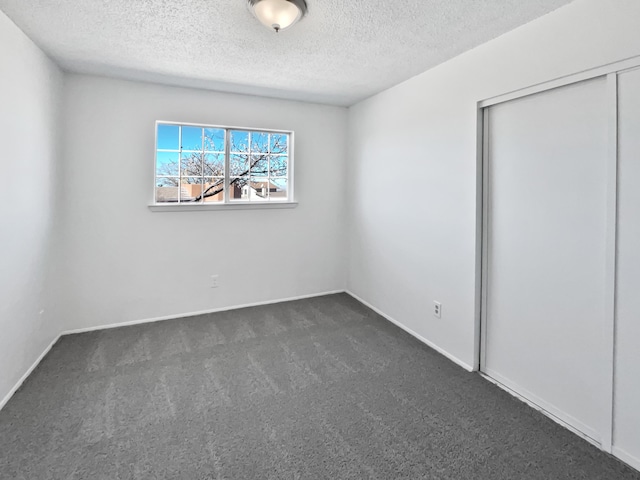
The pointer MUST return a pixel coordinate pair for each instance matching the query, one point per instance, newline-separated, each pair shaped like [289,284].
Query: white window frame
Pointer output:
[227,203]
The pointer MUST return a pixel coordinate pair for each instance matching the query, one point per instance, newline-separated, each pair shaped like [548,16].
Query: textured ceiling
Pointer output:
[342,52]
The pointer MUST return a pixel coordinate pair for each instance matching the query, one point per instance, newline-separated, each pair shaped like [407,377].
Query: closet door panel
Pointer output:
[545,309]
[627,369]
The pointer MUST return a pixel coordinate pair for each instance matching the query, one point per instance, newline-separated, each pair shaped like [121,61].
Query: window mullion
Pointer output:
[180,164]
[269,167]
[290,166]
[202,170]
[227,149]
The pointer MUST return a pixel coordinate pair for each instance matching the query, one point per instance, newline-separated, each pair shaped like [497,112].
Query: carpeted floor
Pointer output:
[312,389]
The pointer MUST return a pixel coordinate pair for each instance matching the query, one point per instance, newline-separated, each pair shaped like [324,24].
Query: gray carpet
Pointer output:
[312,389]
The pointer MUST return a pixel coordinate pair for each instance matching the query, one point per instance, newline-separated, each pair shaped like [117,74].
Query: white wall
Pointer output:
[413,234]
[30,91]
[125,263]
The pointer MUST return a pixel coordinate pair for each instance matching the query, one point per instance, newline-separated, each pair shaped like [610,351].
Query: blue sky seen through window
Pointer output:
[212,140]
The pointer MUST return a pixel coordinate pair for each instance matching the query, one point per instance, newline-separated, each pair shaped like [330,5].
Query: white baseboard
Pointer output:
[561,418]
[438,349]
[633,462]
[627,458]
[201,312]
[15,388]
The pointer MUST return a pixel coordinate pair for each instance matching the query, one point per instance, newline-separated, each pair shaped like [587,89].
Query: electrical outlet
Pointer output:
[215,281]
[437,309]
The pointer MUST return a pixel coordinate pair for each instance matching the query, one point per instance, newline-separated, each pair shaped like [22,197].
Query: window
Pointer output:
[204,164]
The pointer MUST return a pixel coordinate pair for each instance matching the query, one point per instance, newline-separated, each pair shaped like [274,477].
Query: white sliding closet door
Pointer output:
[546,255]
[627,379]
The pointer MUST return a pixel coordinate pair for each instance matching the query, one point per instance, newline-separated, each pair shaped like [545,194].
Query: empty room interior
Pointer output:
[305,239]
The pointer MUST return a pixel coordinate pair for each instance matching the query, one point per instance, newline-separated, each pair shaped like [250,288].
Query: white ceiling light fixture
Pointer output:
[278,14]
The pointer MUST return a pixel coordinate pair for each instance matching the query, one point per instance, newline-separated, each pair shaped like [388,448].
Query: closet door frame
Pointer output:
[611,72]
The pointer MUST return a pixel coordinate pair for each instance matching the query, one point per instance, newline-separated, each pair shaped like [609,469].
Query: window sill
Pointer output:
[190,207]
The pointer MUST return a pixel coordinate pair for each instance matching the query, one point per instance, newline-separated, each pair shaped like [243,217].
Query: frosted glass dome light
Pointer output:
[278,14]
